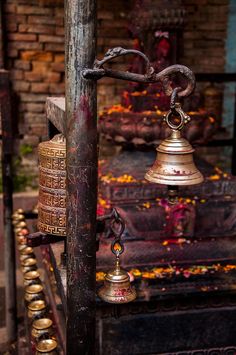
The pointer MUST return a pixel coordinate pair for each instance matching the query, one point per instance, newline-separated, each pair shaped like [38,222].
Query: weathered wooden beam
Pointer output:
[81,145]
[55,112]
[7,181]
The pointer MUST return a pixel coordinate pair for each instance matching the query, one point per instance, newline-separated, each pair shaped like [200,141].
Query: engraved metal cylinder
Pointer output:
[52,185]
[41,328]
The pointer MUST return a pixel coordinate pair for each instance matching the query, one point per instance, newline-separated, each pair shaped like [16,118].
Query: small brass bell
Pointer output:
[117,287]
[174,164]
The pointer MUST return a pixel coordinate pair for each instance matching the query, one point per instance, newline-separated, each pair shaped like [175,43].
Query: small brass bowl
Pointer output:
[17,220]
[41,328]
[21,239]
[34,292]
[22,224]
[19,211]
[31,277]
[37,309]
[26,253]
[24,257]
[46,346]
[21,247]
[29,264]
[24,231]
[18,217]
[17,230]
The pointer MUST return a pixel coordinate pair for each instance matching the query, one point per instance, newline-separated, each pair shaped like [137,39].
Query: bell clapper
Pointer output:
[117,261]
[173,194]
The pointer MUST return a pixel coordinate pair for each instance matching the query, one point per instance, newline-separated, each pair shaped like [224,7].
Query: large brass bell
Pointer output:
[174,164]
[117,287]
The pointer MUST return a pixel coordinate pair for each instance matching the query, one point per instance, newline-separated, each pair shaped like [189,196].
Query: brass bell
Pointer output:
[174,164]
[117,287]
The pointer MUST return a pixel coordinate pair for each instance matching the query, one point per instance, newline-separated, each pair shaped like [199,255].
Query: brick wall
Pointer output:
[204,35]
[35,59]
[35,50]
[35,55]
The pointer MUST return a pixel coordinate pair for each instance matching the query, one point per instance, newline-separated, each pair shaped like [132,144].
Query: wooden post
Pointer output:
[9,241]
[81,144]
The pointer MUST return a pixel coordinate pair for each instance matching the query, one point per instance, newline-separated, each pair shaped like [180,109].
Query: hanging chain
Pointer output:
[176,110]
[116,229]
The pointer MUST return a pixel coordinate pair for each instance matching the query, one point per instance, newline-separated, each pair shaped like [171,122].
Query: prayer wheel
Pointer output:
[52,186]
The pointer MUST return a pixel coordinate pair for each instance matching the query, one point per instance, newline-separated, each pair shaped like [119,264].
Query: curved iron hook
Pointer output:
[165,74]
[150,76]
[118,52]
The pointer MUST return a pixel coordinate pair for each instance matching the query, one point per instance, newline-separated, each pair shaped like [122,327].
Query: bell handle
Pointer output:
[184,118]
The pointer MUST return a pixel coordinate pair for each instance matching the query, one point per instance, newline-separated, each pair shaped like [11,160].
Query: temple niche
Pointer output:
[137,119]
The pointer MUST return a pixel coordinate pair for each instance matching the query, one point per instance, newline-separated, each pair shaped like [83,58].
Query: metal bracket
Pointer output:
[39,238]
[149,76]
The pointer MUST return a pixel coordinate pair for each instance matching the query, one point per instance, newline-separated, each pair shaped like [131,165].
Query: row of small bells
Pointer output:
[174,166]
[43,341]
